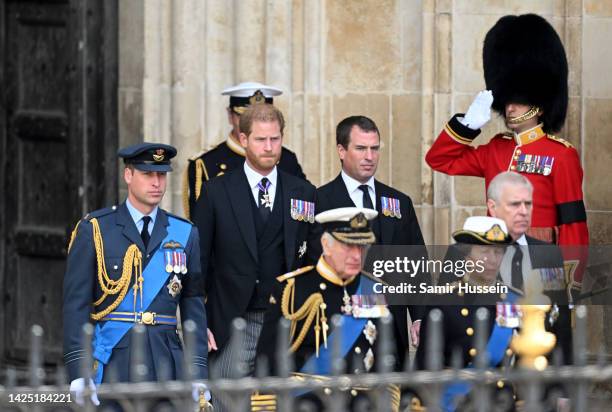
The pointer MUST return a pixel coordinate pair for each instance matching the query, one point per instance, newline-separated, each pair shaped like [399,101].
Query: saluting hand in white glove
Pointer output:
[77,388]
[479,112]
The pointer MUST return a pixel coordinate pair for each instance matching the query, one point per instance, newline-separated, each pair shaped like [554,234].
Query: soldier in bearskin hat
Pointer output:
[526,71]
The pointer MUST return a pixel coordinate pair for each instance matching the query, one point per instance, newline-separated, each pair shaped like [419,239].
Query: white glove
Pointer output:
[479,112]
[196,387]
[77,388]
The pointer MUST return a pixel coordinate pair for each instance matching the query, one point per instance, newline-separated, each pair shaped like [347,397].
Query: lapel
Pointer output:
[129,227]
[290,226]
[238,191]
[341,193]
[385,223]
[159,230]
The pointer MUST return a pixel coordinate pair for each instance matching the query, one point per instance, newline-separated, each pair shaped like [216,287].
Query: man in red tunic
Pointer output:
[525,71]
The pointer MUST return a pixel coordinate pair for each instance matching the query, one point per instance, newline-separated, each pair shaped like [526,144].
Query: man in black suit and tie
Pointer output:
[358,144]
[529,262]
[254,222]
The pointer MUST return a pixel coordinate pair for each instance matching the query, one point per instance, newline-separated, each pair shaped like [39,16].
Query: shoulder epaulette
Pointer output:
[560,140]
[197,155]
[100,212]
[294,273]
[184,219]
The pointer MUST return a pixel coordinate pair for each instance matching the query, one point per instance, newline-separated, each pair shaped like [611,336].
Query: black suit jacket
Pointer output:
[405,231]
[393,231]
[224,217]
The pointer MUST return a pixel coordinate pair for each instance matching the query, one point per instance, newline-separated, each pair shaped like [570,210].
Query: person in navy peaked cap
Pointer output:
[229,154]
[130,264]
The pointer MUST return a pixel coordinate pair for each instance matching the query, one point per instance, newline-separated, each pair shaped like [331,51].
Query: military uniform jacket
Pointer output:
[389,230]
[221,160]
[552,165]
[459,322]
[162,347]
[229,246]
[361,358]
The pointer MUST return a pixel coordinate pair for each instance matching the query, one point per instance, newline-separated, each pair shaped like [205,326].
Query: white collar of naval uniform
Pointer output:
[352,186]
[254,178]
[138,215]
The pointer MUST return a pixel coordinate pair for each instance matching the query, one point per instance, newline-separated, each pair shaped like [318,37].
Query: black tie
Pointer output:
[517,268]
[265,202]
[145,230]
[367,200]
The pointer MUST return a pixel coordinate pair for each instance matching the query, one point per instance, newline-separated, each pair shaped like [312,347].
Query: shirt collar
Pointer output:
[352,184]
[522,241]
[329,274]
[137,215]
[254,177]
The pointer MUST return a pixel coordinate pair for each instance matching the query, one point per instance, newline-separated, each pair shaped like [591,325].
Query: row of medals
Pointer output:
[180,263]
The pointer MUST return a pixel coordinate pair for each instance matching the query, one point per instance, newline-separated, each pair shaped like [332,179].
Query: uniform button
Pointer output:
[469,331]
[500,384]
[322,286]
[509,352]
[257,281]
[353,392]
[148,255]
[357,350]
[512,167]
[472,352]
[516,157]
[518,151]
[327,391]
[465,312]
[114,208]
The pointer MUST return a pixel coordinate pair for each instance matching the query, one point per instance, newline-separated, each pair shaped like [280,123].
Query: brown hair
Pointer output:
[262,112]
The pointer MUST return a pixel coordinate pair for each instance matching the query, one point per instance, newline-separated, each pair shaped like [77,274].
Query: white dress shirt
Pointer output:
[254,178]
[531,278]
[138,215]
[352,186]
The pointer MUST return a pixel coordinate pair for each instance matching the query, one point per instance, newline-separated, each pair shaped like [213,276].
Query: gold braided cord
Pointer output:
[73,235]
[307,311]
[120,287]
[529,114]
[200,170]
[186,192]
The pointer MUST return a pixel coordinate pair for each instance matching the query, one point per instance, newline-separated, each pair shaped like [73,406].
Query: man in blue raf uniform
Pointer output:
[134,263]
[310,296]
[229,154]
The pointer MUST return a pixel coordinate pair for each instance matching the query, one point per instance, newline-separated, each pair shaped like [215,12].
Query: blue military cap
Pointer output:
[148,157]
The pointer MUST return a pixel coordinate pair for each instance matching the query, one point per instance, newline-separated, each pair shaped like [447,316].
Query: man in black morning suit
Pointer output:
[254,222]
[358,144]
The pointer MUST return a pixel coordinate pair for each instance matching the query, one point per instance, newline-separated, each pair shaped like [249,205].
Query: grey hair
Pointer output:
[329,237]
[506,178]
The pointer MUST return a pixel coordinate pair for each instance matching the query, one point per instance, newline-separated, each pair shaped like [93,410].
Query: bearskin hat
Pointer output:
[524,62]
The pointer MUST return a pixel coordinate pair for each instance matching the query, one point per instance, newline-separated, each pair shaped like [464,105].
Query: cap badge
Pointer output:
[359,221]
[159,154]
[495,234]
[257,98]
